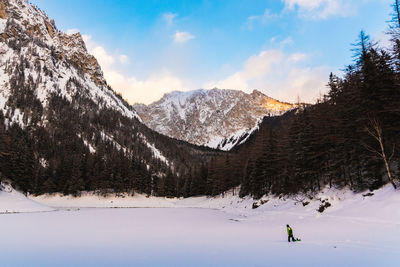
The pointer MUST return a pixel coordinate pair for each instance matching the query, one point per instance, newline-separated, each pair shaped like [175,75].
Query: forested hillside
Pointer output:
[63,128]
[351,137]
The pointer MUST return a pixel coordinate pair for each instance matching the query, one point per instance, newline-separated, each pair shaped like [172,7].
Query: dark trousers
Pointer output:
[291,236]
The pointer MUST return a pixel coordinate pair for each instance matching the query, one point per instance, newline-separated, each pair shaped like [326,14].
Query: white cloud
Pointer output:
[254,68]
[182,37]
[123,59]
[105,60]
[273,39]
[306,4]
[278,75]
[263,19]
[286,41]
[169,18]
[314,9]
[88,41]
[321,9]
[143,91]
[131,88]
[297,57]
[283,43]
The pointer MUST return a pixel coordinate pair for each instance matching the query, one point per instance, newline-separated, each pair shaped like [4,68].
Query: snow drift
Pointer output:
[12,201]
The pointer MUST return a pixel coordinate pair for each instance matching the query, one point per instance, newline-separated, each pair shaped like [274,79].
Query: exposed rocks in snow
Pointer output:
[325,204]
[259,203]
[342,201]
[2,10]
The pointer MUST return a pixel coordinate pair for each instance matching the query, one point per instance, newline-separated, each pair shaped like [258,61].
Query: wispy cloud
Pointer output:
[103,57]
[287,41]
[312,9]
[123,59]
[146,90]
[182,37]
[169,18]
[134,90]
[282,43]
[296,57]
[263,19]
[279,75]
[322,9]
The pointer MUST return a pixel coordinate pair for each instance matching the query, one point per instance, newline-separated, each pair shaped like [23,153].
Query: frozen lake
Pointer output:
[192,237]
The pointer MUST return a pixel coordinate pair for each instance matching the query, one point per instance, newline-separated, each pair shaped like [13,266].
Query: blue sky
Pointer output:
[284,48]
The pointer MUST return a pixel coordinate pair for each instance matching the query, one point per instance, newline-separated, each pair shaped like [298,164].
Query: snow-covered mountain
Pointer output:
[63,127]
[32,48]
[216,118]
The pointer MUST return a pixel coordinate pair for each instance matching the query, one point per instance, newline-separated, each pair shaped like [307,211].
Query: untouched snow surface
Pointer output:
[12,201]
[357,230]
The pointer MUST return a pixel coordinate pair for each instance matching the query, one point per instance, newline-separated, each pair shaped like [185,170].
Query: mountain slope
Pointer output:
[31,45]
[63,129]
[215,118]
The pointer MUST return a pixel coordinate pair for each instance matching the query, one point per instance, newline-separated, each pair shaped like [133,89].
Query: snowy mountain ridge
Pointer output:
[28,35]
[64,126]
[218,118]
[30,39]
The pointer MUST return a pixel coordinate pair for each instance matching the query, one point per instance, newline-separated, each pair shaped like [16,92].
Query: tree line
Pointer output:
[350,137]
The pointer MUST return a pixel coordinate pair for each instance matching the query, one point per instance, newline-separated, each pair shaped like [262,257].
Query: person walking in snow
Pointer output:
[290,233]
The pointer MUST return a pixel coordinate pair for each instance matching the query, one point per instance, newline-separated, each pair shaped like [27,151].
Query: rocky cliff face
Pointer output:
[63,129]
[215,118]
[28,36]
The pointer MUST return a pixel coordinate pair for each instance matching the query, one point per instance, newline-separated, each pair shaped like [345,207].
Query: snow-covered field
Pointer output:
[356,230]
[12,201]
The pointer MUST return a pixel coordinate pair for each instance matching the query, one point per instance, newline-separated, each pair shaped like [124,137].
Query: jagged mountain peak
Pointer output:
[26,20]
[55,61]
[219,118]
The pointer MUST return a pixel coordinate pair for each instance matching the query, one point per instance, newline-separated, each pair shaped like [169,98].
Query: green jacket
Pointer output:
[289,231]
